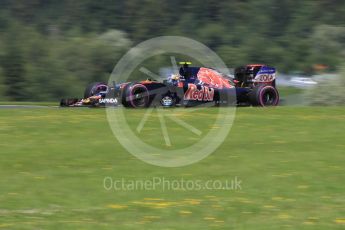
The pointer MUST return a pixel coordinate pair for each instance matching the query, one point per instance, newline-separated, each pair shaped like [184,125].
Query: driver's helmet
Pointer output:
[175,77]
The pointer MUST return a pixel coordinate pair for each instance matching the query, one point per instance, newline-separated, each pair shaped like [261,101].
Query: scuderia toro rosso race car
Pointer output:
[250,85]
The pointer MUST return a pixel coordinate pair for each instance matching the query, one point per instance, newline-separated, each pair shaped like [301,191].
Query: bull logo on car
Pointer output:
[203,94]
[212,78]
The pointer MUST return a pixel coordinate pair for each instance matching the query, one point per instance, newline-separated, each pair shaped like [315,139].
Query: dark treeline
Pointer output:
[50,49]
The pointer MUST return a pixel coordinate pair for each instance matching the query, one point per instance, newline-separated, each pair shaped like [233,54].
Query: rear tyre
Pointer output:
[264,95]
[94,88]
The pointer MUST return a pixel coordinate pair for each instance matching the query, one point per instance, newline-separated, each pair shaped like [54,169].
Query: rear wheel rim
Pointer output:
[269,97]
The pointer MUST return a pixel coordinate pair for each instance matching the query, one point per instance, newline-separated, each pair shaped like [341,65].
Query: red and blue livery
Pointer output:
[253,84]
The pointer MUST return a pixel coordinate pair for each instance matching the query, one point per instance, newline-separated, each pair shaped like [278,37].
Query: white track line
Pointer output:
[150,74]
[164,128]
[186,125]
[144,119]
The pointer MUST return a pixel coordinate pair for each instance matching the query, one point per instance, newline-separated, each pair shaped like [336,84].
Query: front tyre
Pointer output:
[136,96]
[264,95]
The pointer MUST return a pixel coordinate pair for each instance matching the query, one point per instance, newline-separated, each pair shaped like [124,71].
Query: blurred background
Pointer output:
[52,49]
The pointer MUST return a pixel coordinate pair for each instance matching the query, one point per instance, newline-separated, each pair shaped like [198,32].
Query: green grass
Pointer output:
[41,103]
[290,160]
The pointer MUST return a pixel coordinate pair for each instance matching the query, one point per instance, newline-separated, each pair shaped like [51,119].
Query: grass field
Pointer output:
[290,160]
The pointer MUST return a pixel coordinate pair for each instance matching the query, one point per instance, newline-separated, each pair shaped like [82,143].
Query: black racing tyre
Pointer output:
[68,102]
[274,83]
[264,95]
[94,88]
[158,93]
[136,95]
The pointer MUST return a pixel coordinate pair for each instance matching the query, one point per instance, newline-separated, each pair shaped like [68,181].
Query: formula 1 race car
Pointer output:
[250,85]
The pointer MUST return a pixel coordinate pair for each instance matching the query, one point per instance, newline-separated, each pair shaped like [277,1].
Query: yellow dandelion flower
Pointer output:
[326,197]
[144,221]
[162,204]
[151,217]
[153,199]
[284,216]
[308,222]
[12,193]
[185,212]
[219,221]
[192,201]
[340,220]
[117,206]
